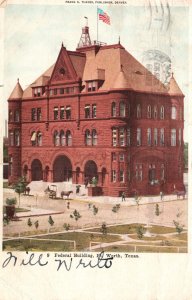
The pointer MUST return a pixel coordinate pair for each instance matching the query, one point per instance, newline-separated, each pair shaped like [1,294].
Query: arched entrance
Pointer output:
[62,169]
[36,170]
[90,170]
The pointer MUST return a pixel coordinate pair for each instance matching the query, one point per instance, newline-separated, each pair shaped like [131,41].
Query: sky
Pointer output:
[33,35]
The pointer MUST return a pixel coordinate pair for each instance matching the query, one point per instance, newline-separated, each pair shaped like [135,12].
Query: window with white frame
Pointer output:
[121,157]
[68,112]
[122,109]
[173,137]
[173,113]
[138,136]
[162,137]
[162,113]
[155,112]
[94,111]
[149,111]
[139,172]
[149,136]
[128,137]
[56,113]
[17,116]
[94,137]
[88,138]
[138,111]
[62,111]
[155,136]
[39,114]
[113,109]
[121,176]
[17,137]
[56,138]
[39,138]
[180,136]
[68,138]
[114,136]
[122,136]
[91,86]
[114,176]
[62,138]
[87,111]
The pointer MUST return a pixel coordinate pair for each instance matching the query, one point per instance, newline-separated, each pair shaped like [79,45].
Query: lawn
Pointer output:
[82,242]
[18,209]
[131,228]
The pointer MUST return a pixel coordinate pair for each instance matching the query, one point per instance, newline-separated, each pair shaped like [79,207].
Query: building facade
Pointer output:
[97,112]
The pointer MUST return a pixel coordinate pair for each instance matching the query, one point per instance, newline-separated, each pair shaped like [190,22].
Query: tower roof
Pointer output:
[173,88]
[121,81]
[17,92]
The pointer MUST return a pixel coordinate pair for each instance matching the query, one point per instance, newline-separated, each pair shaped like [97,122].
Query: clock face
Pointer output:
[62,71]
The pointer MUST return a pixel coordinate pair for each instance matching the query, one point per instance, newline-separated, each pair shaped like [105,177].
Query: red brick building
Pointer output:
[97,112]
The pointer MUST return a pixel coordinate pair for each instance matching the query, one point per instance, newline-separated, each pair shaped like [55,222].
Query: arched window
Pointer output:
[138,111]
[62,138]
[114,136]
[138,136]
[155,136]
[68,138]
[113,109]
[128,136]
[149,136]
[94,137]
[17,138]
[162,113]
[155,112]
[173,112]
[56,138]
[149,111]
[33,138]
[162,137]
[39,139]
[11,138]
[173,137]
[16,116]
[87,138]
[122,109]
[10,116]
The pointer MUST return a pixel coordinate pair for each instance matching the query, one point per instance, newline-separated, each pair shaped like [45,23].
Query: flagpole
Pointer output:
[97,23]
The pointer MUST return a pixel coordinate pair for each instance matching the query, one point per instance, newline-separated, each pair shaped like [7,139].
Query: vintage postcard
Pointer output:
[96,171]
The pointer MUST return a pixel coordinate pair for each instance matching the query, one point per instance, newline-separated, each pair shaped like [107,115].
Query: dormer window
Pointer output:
[37,92]
[91,86]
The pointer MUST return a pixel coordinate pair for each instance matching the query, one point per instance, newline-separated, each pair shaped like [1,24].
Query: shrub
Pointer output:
[29,223]
[178,227]
[140,231]
[11,201]
[157,210]
[50,221]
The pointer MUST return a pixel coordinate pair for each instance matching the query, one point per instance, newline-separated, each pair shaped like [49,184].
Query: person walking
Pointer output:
[161,195]
[123,196]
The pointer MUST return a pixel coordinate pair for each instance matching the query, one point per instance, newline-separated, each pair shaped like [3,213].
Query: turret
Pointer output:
[14,129]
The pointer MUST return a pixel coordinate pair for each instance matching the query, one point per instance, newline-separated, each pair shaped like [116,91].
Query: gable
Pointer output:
[63,70]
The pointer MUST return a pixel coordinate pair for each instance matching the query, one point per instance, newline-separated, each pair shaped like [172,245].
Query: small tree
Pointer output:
[20,187]
[140,231]
[66,226]
[36,224]
[76,215]
[103,229]
[29,223]
[178,227]
[50,221]
[94,181]
[68,205]
[157,210]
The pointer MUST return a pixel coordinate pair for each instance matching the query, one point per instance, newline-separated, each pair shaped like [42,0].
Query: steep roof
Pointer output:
[122,70]
[119,69]
[173,88]
[17,92]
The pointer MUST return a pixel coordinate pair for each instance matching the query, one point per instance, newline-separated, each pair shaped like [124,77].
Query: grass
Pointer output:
[131,228]
[119,229]
[18,209]
[143,248]
[82,242]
